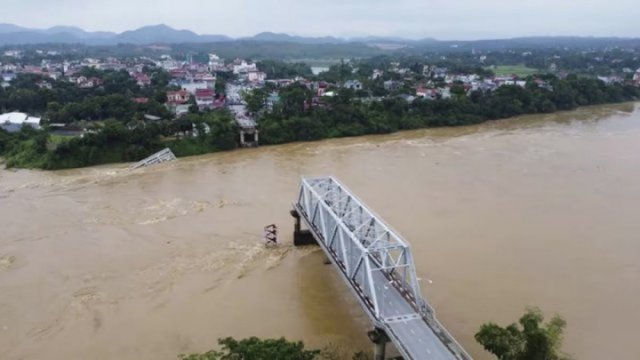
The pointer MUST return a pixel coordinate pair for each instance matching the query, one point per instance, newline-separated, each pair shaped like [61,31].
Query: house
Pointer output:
[377,74]
[440,73]
[180,110]
[178,97]
[429,94]
[207,79]
[610,79]
[320,87]
[9,68]
[13,53]
[406,97]
[256,76]
[215,62]
[353,85]
[178,74]
[141,100]
[445,93]
[193,86]
[90,83]
[242,67]
[44,85]
[391,85]
[13,122]
[205,98]
[8,77]
[142,79]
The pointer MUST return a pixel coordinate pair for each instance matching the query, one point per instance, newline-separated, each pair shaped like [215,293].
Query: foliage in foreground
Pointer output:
[256,349]
[532,339]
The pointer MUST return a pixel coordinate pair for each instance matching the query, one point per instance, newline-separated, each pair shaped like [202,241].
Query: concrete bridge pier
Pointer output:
[379,339]
[301,237]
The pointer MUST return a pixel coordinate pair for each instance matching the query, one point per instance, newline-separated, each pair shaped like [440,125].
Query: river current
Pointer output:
[544,210]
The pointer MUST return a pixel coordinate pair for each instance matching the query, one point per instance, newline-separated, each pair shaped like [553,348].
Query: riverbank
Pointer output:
[344,116]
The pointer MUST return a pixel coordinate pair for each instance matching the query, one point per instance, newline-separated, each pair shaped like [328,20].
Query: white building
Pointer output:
[192,87]
[243,67]
[13,122]
[256,76]
[352,84]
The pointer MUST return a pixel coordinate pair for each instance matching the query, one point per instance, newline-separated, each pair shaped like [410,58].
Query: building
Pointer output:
[6,79]
[429,94]
[242,67]
[178,97]
[90,83]
[142,79]
[205,98]
[13,122]
[636,77]
[392,85]
[44,85]
[353,85]
[256,76]
[193,86]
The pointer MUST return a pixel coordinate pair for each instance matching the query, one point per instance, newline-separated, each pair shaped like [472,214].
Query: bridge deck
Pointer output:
[386,287]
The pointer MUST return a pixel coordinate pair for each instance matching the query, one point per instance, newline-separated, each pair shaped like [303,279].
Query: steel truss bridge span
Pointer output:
[377,266]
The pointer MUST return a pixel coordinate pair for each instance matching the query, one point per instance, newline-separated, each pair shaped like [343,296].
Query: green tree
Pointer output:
[256,349]
[530,340]
[255,99]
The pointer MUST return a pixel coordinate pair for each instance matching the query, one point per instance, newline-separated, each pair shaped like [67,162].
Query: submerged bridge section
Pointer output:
[377,266]
[157,158]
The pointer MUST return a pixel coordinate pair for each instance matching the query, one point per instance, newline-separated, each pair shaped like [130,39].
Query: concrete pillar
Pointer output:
[296,226]
[379,351]
[379,339]
[241,137]
[301,237]
[257,140]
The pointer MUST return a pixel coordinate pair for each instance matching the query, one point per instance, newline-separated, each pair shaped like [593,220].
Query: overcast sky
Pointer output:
[442,19]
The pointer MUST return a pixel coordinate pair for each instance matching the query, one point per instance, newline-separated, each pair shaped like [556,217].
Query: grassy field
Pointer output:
[519,70]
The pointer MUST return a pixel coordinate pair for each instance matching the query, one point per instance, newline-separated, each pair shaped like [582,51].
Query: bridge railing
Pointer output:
[361,244]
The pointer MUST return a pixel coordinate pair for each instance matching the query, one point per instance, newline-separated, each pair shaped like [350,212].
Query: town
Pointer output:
[73,97]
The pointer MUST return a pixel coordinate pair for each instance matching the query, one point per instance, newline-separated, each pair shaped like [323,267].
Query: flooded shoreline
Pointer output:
[532,211]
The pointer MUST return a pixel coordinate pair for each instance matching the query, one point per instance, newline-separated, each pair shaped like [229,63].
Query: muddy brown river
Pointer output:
[104,263]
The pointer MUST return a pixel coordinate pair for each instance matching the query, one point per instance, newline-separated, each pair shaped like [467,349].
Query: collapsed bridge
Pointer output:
[377,266]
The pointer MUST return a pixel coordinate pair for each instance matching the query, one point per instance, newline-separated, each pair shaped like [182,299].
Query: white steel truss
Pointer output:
[376,262]
[360,243]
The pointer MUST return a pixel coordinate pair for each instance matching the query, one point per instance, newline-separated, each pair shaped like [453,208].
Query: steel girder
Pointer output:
[361,245]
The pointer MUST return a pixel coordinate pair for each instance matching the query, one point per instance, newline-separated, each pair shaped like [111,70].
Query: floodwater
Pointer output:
[103,263]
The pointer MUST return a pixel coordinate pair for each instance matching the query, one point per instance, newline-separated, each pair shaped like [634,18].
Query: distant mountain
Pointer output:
[162,34]
[165,34]
[16,35]
[34,37]
[275,37]
[10,28]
